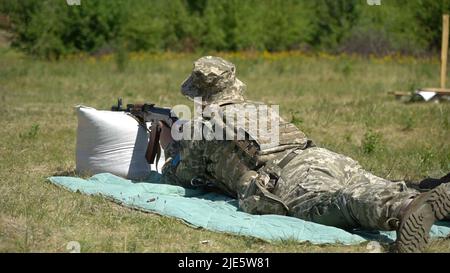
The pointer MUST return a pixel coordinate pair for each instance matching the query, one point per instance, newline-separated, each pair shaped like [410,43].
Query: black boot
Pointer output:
[431,183]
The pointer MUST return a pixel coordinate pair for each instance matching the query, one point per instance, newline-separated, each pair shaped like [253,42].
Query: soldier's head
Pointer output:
[213,79]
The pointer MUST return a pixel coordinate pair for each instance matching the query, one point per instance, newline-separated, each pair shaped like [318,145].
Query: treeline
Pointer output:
[51,28]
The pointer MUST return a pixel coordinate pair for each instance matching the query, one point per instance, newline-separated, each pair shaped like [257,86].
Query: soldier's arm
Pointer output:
[172,153]
[184,161]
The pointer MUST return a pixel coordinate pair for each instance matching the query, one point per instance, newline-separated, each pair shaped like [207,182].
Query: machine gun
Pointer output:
[148,112]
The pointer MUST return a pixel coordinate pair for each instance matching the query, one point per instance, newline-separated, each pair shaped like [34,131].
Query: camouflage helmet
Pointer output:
[213,79]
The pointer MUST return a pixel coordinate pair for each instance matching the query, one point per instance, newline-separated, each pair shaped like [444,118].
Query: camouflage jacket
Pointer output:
[228,167]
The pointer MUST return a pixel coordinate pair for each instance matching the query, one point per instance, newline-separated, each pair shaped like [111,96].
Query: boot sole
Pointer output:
[414,233]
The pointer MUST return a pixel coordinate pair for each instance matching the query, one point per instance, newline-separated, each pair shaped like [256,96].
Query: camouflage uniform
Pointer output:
[294,178]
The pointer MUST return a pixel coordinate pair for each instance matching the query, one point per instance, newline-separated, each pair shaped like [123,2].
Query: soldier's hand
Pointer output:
[165,138]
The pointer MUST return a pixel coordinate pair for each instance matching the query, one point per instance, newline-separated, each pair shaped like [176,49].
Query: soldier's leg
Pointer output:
[373,201]
[328,188]
[373,198]
[331,189]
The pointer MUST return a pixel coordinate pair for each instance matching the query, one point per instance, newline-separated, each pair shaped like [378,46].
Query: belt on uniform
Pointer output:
[293,154]
[287,159]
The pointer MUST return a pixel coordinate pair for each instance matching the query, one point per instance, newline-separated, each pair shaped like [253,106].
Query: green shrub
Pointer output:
[31,133]
[370,142]
[51,28]
[428,20]
[332,21]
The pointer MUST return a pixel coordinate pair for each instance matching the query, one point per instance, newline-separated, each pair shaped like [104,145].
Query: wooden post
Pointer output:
[444,54]
[444,50]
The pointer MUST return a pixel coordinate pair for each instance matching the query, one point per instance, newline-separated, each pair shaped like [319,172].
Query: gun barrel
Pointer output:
[148,112]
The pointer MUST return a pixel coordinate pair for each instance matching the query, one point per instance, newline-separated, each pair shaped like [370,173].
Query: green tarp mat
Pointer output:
[217,212]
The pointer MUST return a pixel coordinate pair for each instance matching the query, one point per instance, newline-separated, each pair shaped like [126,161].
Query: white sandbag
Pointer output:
[111,142]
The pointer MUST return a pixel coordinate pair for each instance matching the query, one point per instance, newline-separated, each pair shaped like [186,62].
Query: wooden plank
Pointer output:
[437,90]
[399,93]
[444,50]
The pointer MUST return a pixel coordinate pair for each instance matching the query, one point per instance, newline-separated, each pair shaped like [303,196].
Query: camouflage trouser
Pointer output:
[328,188]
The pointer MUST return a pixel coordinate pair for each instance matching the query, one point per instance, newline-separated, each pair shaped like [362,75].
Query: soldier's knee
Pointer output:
[333,219]
[325,212]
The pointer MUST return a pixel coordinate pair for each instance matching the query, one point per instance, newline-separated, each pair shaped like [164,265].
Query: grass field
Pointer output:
[340,102]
